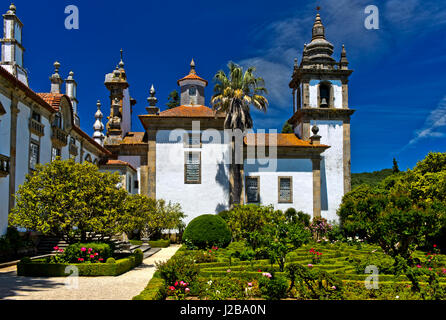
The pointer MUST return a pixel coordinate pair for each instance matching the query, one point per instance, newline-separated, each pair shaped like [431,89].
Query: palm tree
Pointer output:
[233,95]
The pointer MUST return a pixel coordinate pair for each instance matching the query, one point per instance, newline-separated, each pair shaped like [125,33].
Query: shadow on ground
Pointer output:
[13,286]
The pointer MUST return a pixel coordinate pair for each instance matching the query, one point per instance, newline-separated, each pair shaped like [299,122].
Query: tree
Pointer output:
[233,95]
[395,169]
[68,199]
[287,128]
[173,100]
[147,216]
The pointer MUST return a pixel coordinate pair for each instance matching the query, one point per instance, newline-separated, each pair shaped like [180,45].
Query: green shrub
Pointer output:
[160,243]
[274,288]
[178,268]
[224,215]
[39,268]
[205,257]
[206,231]
[74,251]
[111,260]
[155,290]
[235,248]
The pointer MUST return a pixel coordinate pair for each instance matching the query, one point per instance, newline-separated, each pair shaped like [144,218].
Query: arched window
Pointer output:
[324,95]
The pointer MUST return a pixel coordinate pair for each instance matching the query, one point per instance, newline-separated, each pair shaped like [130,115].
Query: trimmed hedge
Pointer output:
[155,290]
[160,243]
[38,268]
[206,231]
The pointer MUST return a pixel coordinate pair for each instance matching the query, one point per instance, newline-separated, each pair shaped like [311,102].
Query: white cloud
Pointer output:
[434,126]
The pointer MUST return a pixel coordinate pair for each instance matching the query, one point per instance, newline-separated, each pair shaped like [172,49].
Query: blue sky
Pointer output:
[398,87]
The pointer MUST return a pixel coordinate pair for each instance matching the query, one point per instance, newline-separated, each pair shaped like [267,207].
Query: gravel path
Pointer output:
[123,287]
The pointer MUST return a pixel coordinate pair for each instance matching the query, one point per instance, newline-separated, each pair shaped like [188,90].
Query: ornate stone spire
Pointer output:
[319,50]
[98,126]
[152,100]
[343,63]
[315,138]
[192,67]
[12,9]
[121,63]
[56,80]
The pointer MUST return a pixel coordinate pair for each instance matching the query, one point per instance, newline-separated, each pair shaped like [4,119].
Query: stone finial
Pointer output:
[12,9]
[343,63]
[71,76]
[98,126]
[152,100]
[56,80]
[121,63]
[318,28]
[192,67]
[315,138]
[296,65]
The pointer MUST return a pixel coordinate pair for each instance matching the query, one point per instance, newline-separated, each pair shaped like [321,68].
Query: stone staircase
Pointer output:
[47,244]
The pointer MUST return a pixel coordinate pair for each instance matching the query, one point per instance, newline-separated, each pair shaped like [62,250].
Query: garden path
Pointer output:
[123,287]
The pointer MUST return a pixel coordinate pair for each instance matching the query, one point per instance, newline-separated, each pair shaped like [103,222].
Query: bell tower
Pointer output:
[192,88]
[12,48]
[320,98]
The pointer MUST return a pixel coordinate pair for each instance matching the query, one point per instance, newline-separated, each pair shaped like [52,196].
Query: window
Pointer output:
[36,116]
[285,190]
[55,152]
[192,91]
[57,121]
[192,168]
[88,158]
[192,140]
[129,184]
[136,184]
[252,189]
[34,151]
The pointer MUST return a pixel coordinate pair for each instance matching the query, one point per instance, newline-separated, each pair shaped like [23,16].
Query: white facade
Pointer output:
[208,197]
[301,172]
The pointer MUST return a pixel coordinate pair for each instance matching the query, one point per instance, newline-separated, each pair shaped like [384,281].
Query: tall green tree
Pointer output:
[234,93]
[69,199]
[395,168]
[173,100]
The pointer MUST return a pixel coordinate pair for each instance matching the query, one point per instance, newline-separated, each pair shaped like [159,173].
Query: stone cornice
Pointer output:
[307,114]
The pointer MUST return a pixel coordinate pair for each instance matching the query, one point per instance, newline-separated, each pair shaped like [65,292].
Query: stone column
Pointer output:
[13,150]
[151,164]
[316,187]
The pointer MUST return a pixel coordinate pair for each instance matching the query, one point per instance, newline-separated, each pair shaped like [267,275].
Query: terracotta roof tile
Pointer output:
[189,112]
[53,99]
[192,76]
[283,140]
[119,163]
[134,138]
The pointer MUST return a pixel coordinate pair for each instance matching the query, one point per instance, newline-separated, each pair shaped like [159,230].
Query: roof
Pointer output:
[134,138]
[112,162]
[53,99]
[190,112]
[30,93]
[283,140]
[192,76]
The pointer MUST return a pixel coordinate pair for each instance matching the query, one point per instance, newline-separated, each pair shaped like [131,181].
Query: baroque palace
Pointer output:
[182,154]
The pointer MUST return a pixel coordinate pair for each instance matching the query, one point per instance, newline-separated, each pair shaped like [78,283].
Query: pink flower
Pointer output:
[418,266]
[176,284]
[187,290]
[91,256]
[84,249]
[172,288]
[430,269]
[267,274]
[334,287]
[81,260]
[56,248]
[310,265]
[96,254]
[229,270]
[249,284]
[101,259]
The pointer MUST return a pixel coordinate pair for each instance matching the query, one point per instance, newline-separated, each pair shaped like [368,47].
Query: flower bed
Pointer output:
[230,278]
[40,268]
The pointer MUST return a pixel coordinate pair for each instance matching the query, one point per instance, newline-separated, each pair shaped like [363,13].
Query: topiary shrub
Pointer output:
[111,260]
[206,231]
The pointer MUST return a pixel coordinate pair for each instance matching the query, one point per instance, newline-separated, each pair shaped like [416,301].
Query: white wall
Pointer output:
[332,167]
[300,170]
[5,130]
[209,197]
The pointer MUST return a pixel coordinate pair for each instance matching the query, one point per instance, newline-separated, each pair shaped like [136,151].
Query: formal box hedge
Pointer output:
[155,290]
[39,268]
